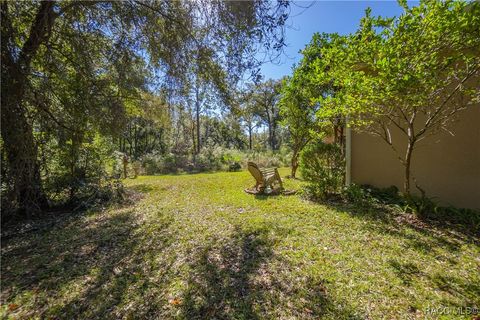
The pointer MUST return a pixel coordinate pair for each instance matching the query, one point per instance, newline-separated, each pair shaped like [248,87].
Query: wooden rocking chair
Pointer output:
[265,177]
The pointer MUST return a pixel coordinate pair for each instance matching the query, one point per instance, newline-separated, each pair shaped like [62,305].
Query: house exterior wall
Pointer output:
[446,166]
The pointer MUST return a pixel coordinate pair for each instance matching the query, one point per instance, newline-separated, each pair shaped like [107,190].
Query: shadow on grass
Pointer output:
[464,290]
[265,196]
[237,281]
[433,234]
[427,238]
[456,286]
[190,173]
[82,268]
[405,271]
[110,265]
[142,188]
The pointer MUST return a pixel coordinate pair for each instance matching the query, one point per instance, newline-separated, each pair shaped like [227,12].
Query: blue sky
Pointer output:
[323,16]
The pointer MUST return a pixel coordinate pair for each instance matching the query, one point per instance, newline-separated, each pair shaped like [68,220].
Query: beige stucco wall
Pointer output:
[447,167]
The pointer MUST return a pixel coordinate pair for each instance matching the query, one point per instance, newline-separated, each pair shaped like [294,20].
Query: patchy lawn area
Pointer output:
[198,247]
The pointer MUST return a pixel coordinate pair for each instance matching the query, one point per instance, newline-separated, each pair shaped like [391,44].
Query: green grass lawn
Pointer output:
[198,247]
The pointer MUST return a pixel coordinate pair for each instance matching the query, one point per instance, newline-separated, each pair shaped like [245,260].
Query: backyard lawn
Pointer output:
[198,247]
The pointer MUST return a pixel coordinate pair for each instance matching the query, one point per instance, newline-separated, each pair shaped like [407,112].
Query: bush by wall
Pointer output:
[323,166]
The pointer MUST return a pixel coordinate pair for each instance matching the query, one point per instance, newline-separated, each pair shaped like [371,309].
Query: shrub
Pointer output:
[156,163]
[234,167]
[357,195]
[136,168]
[209,159]
[152,163]
[172,162]
[422,206]
[323,166]
[265,159]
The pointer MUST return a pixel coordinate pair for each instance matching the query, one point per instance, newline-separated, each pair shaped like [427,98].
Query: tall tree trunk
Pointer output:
[194,141]
[197,118]
[17,134]
[135,141]
[274,135]
[250,129]
[270,139]
[21,150]
[74,170]
[130,143]
[125,166]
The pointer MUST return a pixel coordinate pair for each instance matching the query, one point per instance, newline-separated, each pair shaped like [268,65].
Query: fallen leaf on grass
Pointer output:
[12,307]
[175,301]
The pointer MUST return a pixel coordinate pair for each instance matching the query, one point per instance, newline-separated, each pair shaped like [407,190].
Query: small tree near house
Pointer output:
[299,103]
[414,73]
[298,118]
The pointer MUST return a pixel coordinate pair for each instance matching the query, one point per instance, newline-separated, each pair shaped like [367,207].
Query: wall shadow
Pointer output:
[427,239]
[433,234]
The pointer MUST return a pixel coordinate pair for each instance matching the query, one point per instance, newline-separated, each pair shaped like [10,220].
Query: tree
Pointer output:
[109,40]
[148,127]
[298,115]
[412,74]
[247,112]
[265,97]
[17,133]
[300,97]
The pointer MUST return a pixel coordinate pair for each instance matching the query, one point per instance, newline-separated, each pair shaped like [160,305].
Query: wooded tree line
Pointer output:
[201,120]
[83,79]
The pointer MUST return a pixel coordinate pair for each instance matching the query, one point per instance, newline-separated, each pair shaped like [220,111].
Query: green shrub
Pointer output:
[78,171]
[156,163]
[265,159]
[208,159]
[358,195]
[234,167]
[152,163]
[422,206]
[468,218]
[173,162]
[323,166]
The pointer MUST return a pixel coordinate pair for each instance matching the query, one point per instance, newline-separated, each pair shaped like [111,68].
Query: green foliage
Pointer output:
[157,163]
[429,209]
[423,207]
[235,166]
[358,195]
[269,158]
[323,166]
[210,159]
[79,170]
[263,101]
[73,70]
[412,73]
[452,215]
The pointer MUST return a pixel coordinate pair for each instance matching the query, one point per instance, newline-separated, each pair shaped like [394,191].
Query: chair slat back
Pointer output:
[267,170]
[255,171]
